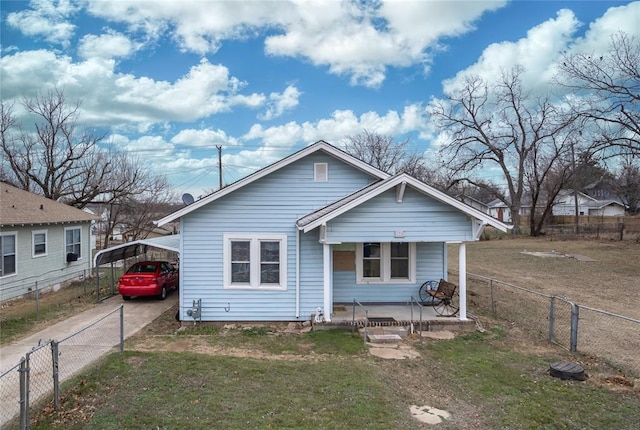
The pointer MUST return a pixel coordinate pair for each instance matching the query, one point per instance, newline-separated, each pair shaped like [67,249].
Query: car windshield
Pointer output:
[142,268]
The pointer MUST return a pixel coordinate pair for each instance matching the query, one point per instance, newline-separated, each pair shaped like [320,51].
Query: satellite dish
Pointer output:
[187,199]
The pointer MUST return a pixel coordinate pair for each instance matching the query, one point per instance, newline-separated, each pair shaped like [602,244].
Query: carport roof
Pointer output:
[131,249]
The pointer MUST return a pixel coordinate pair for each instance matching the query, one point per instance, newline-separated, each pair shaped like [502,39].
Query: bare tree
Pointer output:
[498,126]
[63,161]
[607,86]
[628,184]
[57,159]
[383,152]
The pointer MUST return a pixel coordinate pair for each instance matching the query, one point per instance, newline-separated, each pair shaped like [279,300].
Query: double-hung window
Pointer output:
[8,254]
[255,261]
[39,240]
[385,262]
[73,241]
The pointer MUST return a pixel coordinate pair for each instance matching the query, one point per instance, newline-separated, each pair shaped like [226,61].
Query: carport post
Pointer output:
[112,276]
[121,328]
[97,283]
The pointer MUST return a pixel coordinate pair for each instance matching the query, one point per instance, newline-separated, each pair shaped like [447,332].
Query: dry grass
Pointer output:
[609,283]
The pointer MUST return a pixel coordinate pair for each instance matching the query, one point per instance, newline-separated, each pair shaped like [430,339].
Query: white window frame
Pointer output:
[319,168]
[385,266]
[15,253]
[34,254]
[66,244]
[254,260]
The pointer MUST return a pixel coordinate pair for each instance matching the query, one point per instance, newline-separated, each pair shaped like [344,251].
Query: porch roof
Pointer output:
[321,216]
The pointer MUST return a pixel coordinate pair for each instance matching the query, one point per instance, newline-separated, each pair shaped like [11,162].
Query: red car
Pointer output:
[148,278]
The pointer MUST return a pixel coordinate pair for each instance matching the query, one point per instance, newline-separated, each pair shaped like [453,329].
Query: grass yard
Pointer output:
[259,377]
[21,317]
[611,282]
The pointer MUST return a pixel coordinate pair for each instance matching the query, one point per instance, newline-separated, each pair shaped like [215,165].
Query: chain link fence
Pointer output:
[614,338]
[36,379]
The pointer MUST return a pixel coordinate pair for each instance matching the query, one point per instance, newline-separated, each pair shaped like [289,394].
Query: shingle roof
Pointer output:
[20,207]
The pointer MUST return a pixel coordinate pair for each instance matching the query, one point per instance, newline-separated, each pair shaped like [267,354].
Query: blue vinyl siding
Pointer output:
[269,205]
[419,217]
[430,264]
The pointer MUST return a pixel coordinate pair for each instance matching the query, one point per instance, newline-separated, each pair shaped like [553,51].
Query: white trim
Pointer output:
[64,255]
[385,266]
[318,146]
[320,172]
[418,185]
[33,243]
[400,192]
[297,273]
[462,280]
[327,281]
[254,261]
[15,252]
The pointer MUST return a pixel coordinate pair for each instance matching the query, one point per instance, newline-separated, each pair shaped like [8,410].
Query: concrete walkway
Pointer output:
[137,314]
[89,342]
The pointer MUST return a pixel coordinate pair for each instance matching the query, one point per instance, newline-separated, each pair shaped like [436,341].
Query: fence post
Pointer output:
[493,304]
[22,370]
[56,377]
[552,318]
[25,420]
[575,310]
[121,328]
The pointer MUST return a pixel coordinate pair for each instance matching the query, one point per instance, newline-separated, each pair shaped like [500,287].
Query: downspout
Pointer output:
[297,273]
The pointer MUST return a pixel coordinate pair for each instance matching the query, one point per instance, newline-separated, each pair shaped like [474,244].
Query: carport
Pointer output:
[129,250]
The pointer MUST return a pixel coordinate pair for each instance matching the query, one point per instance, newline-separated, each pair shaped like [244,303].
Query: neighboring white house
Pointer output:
[42,242]
[565,204]
[316,229]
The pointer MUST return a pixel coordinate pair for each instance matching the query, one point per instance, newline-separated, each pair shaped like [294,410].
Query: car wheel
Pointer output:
[126,298]
[163,293]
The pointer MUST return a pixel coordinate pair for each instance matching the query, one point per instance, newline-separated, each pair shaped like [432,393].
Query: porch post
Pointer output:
[327,281]
[462,264]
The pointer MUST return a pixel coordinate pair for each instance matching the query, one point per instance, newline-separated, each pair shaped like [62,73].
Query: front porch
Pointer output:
[394,315]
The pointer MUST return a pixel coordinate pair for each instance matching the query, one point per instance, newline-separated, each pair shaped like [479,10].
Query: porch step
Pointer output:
[383,338]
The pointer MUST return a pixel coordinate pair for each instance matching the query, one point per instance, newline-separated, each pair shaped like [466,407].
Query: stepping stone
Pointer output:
[384,338]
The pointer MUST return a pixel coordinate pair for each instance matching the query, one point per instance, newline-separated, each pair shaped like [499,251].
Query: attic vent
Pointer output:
[320,172]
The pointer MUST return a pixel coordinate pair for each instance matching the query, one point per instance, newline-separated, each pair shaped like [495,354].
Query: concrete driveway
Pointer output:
[84,338]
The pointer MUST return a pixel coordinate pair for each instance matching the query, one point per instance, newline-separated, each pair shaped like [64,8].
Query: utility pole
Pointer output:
[219,147]
[576,216]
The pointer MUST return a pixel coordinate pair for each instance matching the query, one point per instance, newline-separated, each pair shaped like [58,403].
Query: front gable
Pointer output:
[265,174]
[417,218]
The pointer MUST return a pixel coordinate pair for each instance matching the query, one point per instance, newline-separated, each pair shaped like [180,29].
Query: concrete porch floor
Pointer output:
[402,314]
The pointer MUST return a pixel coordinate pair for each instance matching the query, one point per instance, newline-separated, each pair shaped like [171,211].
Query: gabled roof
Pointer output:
[19,207]
[599,204]
[329,212]
[569,192]
[318,146]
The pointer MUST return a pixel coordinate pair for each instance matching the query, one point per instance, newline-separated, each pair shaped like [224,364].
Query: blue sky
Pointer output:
[168,81]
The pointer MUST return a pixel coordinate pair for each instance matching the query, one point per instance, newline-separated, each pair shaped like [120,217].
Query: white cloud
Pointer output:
[203,138]
[536,53]
[279,103]
[109,45]
[116,98]
[355,39]
[598,37]
[46,19]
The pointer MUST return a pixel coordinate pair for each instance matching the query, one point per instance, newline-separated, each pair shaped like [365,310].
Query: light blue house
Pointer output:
[316,229]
